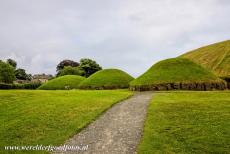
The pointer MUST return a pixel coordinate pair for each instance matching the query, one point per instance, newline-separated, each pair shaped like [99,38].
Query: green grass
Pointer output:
[187,123]
[107,79]
[50,117]
[174,70]
[215,57]
[63,82]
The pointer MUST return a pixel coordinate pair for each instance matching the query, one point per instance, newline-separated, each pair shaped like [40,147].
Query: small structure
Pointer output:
[18,81]
[41,78]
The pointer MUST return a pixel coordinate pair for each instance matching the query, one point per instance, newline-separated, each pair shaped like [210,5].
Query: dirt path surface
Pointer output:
[117,131]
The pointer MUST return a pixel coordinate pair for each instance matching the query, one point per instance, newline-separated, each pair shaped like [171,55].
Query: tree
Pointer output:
[64,63]
[21,74]
[6,73]
[89,66]
[68,70]
[12,62]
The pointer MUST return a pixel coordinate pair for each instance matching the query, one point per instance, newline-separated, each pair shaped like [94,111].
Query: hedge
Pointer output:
[20,86]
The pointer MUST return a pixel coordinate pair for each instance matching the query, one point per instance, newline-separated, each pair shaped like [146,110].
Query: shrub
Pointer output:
[20,86]
[68,70]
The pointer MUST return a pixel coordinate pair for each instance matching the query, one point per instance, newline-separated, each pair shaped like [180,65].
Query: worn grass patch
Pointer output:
[187,123]
[107,79]
[50,117]
[63,82]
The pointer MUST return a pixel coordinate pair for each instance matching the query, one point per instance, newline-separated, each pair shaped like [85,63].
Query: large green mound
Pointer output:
[215,57]
[107,79]
[63,82]
[177,73]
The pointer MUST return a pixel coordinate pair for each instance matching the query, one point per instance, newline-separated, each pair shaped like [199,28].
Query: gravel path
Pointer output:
[117,131]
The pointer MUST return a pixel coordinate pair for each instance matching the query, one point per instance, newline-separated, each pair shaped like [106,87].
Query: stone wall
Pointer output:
[227,79]
[103,87]
[199,86]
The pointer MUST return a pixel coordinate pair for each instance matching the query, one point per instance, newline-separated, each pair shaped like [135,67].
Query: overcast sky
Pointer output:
[130,35]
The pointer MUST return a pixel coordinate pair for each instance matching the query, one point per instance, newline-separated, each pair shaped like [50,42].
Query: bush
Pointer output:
[31,85]
[68,70]
[19,86]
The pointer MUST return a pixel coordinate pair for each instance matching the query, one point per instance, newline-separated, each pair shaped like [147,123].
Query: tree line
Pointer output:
[86,67]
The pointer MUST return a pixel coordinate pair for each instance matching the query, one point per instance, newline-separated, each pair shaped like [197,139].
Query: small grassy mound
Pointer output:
[107,79]
[63,82]
[215,57]
[177,73]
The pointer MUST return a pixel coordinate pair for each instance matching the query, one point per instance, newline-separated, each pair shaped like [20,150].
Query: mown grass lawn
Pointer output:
[50,117]
[187,123]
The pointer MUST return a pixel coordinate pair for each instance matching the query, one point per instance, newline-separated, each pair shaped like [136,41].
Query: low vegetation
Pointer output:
[107,79]
[63,82]
[187,122]
[20,86]
[50,117]
[85,68]
[215,57]
[177,73]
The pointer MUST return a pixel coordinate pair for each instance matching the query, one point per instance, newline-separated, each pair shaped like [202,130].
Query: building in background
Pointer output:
[41,78]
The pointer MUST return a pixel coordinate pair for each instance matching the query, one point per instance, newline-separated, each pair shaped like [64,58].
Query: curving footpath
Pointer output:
[117,131]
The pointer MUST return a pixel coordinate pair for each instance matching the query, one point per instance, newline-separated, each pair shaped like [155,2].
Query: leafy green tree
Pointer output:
[68,70]
[21,74]
[6,73]
[65,63]
[89,66]
[12,62]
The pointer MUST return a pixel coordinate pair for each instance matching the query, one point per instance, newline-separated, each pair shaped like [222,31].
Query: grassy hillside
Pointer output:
[215,57]
[107,79]
[63,82]
[49,117]
[175,70]
[187,123]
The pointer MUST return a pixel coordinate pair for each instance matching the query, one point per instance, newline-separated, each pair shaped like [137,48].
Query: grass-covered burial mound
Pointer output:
[63,82]
[107,79]
[215,57]
[177,73]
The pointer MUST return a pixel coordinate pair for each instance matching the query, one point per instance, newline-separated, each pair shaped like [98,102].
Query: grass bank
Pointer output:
[107,79]
[63,83]
[50,117]
[177,73]
[187,123]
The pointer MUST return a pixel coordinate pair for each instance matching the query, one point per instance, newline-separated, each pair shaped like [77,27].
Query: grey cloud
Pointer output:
[127,34]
